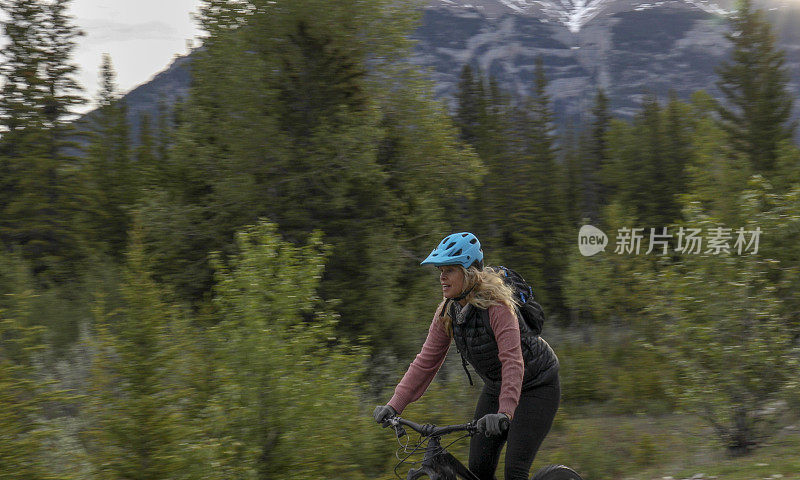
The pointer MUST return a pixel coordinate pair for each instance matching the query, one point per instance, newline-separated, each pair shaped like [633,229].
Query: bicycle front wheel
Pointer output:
[556,472]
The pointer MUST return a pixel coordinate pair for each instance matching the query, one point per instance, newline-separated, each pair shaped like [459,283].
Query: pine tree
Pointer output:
[276,355]
[576,179]
[332,180]
[62,89]
[596,156]
[470,105]
[22,69]
[145,160]
[650,196]
[495,149]
[37,96]
[711,175]
[165,126]
[21,402]
[20,104]
[137,428]
[678,151]
[23,394]
[757,107]
[320,124]
[646,163]
[538,211]
[109,175]
[482,111]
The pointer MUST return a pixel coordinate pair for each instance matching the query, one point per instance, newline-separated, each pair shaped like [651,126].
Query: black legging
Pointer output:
[532,420]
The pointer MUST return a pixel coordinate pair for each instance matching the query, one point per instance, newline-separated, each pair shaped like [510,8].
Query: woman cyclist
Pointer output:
[519,371]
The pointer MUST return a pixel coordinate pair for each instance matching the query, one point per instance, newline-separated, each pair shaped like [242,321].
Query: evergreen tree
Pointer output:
[596,156]
[651,196]
[495,150]
[21,403]
[276,355]
[137,428]
[678,151]
[62,90]
[165,127]
[537,215]
[470,105]
[647,159]
[540,127]
[520,210]
[576,184]
[145,159]
[37,96]
[23,394]
[757,108]
[320,124]
[482,112]
[20,103]
[21,69]
[109,177]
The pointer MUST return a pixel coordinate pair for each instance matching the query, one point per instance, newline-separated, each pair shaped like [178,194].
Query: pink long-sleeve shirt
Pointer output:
[428,361]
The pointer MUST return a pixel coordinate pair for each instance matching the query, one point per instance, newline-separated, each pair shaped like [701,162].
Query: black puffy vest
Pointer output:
[475,340]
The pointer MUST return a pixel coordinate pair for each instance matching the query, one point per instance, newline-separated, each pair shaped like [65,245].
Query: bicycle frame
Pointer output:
[439,464]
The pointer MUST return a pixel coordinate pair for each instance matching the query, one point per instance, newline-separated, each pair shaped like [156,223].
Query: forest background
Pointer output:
[229,294]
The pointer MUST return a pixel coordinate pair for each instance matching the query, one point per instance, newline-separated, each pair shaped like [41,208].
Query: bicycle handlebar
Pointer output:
[430,430]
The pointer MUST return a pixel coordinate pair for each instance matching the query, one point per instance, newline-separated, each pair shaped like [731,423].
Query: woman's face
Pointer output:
[452,279]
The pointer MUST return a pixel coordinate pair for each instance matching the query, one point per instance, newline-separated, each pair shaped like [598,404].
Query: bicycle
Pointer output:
[439,464]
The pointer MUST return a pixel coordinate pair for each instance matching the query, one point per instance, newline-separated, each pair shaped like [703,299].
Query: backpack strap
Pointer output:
[445,308]
[464,364]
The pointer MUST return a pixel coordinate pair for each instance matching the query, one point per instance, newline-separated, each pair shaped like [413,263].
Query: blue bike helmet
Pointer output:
[457,249]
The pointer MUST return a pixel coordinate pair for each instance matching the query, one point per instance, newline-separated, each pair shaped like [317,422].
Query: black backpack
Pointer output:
[531,313]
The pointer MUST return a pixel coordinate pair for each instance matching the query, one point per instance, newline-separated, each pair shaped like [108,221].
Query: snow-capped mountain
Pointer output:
[573,14]
[630,48]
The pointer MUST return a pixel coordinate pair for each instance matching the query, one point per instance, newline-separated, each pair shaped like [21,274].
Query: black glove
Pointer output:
[493,424]
[382,413]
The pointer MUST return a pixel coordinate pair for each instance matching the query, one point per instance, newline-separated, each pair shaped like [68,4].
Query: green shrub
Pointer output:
[584,373]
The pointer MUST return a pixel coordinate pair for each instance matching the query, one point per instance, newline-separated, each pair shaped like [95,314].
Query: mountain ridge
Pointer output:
[628,51]
[574,14]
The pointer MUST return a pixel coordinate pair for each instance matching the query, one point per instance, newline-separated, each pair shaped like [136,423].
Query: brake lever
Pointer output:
[398,428]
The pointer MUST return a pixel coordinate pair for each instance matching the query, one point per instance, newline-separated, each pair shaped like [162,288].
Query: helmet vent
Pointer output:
[452,244]
[458,252]
[473,241]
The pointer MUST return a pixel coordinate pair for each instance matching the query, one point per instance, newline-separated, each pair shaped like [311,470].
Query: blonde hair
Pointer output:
[486,287]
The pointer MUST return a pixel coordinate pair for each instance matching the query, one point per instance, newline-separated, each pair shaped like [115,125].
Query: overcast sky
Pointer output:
[142,37]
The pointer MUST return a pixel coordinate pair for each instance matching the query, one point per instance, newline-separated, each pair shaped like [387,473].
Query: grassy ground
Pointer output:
[778,459]
[604,446]
[663,448]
